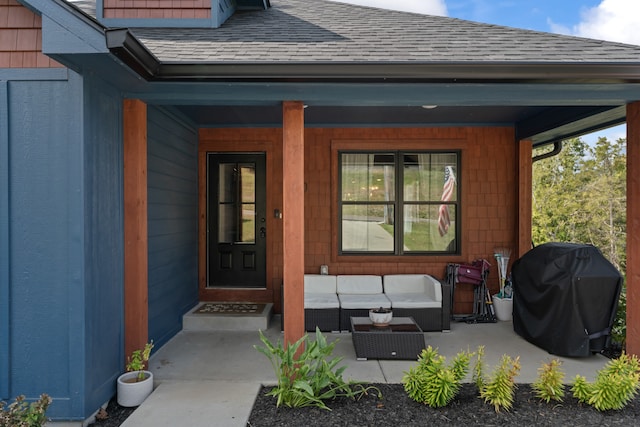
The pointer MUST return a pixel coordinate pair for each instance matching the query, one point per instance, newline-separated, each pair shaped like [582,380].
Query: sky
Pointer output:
[613,20]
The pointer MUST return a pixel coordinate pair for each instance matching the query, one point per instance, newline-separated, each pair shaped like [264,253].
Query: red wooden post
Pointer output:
[136,308]
[293,219]
[633,228]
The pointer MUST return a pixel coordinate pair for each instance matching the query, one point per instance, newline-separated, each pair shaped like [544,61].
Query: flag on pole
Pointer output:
[447,193]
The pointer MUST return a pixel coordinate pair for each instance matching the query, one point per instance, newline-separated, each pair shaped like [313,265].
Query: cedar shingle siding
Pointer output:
[21,38]
[159,9]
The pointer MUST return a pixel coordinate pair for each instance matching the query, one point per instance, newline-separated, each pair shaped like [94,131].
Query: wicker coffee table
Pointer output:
[402,339]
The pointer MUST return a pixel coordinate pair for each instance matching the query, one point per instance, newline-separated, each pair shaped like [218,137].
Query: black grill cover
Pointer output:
[565,298]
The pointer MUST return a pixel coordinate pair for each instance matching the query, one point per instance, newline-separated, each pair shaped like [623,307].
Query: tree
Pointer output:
[580,196]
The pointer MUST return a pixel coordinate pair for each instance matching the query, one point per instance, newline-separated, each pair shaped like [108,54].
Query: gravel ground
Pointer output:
[395,408]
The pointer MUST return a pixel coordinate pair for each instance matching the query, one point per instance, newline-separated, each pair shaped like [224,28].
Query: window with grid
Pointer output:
[396,203]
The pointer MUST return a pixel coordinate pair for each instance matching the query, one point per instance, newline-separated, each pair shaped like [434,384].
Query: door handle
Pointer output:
[263,232]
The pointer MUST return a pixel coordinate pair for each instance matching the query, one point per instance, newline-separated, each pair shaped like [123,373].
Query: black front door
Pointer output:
[236,220]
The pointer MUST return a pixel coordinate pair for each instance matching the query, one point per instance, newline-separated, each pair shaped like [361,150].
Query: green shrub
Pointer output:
[549,383]
[310,378]
[434,383]
[499,388]
[22,414]
[616,384]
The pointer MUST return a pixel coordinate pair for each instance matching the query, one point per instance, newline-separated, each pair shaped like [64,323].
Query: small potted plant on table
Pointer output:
[135,385]
[380,317]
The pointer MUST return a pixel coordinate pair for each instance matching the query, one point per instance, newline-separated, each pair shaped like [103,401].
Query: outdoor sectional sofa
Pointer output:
[321,305]
[330,301]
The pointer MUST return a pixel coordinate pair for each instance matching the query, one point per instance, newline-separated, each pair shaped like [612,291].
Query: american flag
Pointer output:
[447,192]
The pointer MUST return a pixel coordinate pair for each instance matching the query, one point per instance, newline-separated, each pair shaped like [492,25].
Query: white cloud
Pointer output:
[427,7]
[613,20]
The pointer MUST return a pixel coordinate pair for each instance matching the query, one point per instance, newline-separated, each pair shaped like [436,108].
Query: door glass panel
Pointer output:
[226,223]
[248,197]
[236,203]
[248,183]
[226,186]
[248,233]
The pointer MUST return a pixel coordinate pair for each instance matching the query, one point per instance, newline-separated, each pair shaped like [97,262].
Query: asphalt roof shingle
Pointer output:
[299,31]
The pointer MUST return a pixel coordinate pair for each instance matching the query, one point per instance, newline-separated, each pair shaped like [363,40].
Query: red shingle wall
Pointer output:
[158,9]
[21,38]
[489,197]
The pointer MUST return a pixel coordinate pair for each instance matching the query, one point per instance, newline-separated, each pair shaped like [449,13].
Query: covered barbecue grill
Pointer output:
[565,298]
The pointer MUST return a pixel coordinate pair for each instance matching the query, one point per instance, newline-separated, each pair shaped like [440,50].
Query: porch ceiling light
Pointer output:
[429,107]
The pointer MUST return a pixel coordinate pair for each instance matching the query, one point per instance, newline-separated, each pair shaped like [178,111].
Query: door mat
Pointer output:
[230,308]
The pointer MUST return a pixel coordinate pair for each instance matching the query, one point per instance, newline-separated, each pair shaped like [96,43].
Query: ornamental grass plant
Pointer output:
[306,373]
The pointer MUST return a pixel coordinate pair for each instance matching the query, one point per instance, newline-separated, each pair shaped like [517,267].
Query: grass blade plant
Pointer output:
[306,375]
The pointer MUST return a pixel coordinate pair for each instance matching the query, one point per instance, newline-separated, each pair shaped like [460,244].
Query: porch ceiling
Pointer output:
[541,124]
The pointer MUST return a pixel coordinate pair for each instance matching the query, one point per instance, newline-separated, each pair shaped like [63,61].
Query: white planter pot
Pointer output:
[380,319]
[132,393]
[503,308]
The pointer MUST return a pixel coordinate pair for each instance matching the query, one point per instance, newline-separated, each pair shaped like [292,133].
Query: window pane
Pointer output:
[367,228]
[368,177]
[425,176]
[429,228]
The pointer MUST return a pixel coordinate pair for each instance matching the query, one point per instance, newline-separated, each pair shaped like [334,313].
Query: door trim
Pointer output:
[272,290]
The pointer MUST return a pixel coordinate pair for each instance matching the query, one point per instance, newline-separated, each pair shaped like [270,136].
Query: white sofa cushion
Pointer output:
[321,301]
[412,301]
[413,291]
[359,284]
[363,301]
[319,284]
[320,291]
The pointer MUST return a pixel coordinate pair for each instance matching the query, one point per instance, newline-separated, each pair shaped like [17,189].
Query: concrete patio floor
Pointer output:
[212,378]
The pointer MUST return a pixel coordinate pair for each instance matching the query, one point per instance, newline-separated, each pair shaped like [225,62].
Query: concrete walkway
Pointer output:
[212,378]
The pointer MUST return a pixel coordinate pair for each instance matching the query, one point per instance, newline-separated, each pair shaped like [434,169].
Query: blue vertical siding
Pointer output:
[104,242]
[172,222]
[46,336]
[61,240]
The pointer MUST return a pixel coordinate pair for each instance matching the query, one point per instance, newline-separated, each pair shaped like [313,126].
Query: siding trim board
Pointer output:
[4,242]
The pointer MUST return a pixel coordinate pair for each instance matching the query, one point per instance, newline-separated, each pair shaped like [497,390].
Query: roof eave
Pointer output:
[415,71]
[122,44]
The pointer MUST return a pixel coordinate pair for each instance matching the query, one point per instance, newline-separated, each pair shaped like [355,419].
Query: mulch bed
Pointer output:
[396,408]
[113,415]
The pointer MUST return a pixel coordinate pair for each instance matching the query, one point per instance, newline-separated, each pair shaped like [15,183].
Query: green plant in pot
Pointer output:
[136,384]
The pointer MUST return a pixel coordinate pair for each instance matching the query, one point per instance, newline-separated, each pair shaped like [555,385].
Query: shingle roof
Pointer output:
[302,31]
